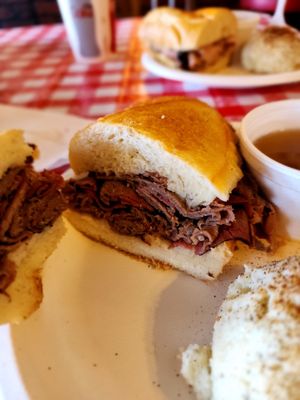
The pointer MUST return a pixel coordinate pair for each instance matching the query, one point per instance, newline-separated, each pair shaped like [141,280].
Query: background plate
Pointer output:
[109,327]
[231,77]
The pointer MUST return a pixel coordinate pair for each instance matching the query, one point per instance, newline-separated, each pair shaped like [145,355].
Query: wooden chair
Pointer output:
[189,4]
[138,7]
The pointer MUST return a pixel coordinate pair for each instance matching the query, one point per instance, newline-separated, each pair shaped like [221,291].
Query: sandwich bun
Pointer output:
[174,29]
[24,295]
[180,138]
[154,250]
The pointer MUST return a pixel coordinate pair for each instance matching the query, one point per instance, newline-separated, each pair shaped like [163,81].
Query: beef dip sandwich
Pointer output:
[201,40]
[31,204]
[162,181]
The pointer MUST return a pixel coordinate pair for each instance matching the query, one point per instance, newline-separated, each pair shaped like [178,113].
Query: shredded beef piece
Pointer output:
[133,223]
[184,232]
[154,194]
[7,272]
[238,230]
[83,195]
[12,209]
[168,202]
[10,182]
[29,202]
[199,239]
[138,205]
[261,213]
[114,192]
[44,201]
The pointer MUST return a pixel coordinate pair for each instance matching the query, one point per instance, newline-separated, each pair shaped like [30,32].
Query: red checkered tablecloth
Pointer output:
[37,69]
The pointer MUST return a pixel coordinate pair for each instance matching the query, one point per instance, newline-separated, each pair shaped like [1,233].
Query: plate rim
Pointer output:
[225,81]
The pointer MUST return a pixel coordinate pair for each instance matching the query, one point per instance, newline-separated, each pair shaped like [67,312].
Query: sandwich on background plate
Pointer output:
[31,204]
[255,351]
[202,40]
[162,181]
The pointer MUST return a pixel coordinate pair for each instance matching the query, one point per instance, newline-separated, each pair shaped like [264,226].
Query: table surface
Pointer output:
[37,69]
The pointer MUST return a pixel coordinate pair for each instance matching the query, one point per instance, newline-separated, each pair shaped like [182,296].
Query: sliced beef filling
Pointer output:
[29,202]
[195,60]
[138,205]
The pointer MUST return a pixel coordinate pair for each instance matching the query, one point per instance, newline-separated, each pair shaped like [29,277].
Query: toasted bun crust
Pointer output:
[156,251]
[180,138]
[275,49]
[25,293]
[256,339]
[174,29]
[15,150]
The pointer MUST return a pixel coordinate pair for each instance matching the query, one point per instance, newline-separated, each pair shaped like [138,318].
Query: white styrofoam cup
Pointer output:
[280,183]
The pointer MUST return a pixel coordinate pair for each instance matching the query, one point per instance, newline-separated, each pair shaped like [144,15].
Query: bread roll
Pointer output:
[275,49]
[196,370]
[256,338]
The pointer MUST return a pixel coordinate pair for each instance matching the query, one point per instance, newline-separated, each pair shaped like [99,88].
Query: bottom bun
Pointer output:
[220,64]
[24,295]
[155,251]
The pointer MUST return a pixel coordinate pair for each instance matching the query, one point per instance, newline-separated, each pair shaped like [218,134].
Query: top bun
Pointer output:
[180,138]
[15,150]
[174,29]
[274,49]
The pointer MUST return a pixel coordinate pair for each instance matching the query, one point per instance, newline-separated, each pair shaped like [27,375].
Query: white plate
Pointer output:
[231,77]
[109,327]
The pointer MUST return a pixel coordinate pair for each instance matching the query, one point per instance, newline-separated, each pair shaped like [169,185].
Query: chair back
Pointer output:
[189,4]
